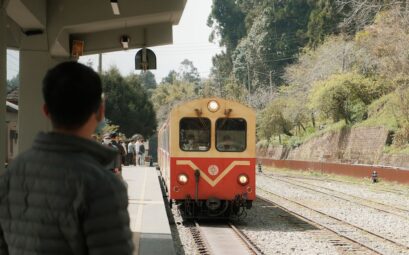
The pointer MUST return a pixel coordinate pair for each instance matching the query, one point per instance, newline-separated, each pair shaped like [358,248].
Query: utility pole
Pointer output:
[100,63]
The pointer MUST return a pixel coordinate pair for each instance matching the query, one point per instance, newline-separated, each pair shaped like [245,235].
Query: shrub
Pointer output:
[346,96]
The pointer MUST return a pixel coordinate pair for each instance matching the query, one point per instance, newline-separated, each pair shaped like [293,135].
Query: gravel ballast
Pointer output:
[275,231]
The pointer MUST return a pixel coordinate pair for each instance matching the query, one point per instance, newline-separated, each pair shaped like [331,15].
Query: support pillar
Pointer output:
[34,63]
[3,85]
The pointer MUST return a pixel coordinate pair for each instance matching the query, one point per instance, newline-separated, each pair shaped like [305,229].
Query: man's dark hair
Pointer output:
[72,92]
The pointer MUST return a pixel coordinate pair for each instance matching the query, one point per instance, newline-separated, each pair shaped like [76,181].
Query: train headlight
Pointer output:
[182,178]
[243,179]
[213,106]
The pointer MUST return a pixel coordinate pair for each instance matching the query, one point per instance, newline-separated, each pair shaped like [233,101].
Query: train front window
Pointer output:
[194,134]
[231,134]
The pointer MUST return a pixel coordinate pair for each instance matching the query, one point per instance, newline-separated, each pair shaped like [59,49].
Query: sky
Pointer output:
[12,63]
[190,41]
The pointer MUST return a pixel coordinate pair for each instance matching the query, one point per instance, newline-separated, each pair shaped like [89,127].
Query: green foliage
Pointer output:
[13,83]
[188,72]
[323,21]
[109,128]
[346,79]
[385,44]
[148,80]
[171,78]
[227,21]
[263,36]
[221,69]
[396,150]
[275,36]
[167,95]
[272,122]
[346,96]
[382,112]
[128,104]
[234,91]
[262,143]
[392,111]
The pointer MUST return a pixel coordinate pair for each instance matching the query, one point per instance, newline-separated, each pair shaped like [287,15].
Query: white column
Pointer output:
[3,84]
[33,66]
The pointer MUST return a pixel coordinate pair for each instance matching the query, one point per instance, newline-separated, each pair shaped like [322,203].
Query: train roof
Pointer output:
[224,103]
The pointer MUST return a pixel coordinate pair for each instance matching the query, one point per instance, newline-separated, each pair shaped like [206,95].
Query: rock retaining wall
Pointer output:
[361,145]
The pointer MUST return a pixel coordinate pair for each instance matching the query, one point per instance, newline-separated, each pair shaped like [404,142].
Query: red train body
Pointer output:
[207,157]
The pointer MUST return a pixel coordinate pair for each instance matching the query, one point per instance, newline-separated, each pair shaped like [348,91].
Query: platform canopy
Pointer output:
[46,32]
[99,23]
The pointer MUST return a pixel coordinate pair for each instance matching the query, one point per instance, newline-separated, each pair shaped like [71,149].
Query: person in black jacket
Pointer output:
[115,165]
[58,197]
[115,141]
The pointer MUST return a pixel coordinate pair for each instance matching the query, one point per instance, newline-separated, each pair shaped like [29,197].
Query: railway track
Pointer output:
[213,238]
[375,188]
[394,210]
[364,241]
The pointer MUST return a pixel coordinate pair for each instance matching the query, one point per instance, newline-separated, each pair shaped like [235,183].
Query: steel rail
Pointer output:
[246,240]
[206,246]
[393,191]
[402,247]
[385,208]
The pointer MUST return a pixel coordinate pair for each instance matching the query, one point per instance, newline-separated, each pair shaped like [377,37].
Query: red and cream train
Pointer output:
[206,154]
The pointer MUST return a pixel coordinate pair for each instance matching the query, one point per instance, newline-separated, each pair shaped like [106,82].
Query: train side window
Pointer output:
[231,134]
[194,134]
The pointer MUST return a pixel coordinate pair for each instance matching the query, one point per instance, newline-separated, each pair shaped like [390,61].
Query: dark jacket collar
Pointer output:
[68,143]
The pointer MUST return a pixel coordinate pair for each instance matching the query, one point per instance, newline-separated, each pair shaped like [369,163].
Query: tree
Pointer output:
[235,91]
[148,80]
[227,22]
[171,78]
[13,83]
[272,122]
[275,37]
[335,55]
[228,26]
[188,72]
[347,96]
[323,21]
[166,96]
[221,69]
[128,104]
[264,36]
[360,13]
[385,45]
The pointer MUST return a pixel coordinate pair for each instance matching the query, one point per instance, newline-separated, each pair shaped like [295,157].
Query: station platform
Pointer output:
[149,221]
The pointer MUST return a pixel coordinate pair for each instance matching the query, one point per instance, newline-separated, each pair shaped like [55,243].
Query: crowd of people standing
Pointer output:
[130,152]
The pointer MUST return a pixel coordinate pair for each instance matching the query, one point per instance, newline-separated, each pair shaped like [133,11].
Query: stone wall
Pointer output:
[318,148]
[365,145]
[361,145]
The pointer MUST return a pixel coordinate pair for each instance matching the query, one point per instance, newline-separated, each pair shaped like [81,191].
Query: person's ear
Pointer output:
[101,112]
[46,111]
